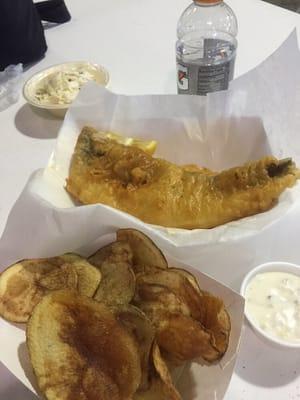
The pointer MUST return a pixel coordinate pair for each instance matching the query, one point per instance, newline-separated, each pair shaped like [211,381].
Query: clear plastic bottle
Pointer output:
[206,47]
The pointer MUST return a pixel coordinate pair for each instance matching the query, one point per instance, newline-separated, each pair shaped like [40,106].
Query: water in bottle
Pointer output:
[206,47]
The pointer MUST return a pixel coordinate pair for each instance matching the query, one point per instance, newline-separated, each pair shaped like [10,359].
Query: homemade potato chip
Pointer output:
[118,280]
[153,299]
[216,320]
[80,351]
[185,338]
[115,252]
[147,269]
[89,277]
[117,284]
[145,252]
[178,284]
[156,391]
[162,371]
[139,325]
[190,277]
[170,292]
[23,284]
[161,387]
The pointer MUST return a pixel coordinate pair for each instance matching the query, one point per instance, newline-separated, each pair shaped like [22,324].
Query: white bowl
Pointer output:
[276,266]
[100,75]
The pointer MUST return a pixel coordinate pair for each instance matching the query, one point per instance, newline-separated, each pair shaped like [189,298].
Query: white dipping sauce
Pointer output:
[273,302]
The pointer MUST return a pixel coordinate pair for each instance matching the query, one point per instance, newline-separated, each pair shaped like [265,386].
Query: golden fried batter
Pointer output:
[159,192]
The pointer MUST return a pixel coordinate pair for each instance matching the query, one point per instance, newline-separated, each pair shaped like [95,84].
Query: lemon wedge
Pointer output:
[148,146]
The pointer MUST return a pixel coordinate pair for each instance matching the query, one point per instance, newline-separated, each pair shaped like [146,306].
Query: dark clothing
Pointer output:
[53,11]
[22,38]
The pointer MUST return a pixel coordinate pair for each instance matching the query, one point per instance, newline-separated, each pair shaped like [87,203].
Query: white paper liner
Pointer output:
[259,115]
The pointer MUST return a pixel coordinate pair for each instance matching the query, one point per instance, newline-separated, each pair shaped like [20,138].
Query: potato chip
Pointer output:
[118,281]
[190,277]
[178,284]
[23,284]
[80,351]
[152,298]
[89,276]
[161,387]
[115,252]
[216,320]
[167,291]
[185,339]
[163,372]
[117,284]
[139,325]
[147,269]
[145,252]
[156,391]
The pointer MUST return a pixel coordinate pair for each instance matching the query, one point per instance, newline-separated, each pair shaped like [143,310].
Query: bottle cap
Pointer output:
[208,1]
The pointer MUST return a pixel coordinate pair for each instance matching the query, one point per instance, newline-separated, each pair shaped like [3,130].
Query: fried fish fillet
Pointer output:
[162,193]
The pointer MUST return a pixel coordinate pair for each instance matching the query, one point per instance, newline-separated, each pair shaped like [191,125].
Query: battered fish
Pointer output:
[159,192]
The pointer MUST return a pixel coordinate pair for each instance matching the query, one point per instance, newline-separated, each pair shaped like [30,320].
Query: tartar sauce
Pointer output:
[63,86]
[273,302]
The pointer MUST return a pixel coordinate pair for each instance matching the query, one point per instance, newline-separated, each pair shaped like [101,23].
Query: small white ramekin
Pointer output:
[274,266]
[101,76]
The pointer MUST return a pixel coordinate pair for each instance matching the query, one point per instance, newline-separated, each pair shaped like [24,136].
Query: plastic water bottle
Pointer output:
[206,47]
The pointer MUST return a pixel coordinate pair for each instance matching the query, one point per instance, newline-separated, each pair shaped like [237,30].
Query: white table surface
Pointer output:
[135,41]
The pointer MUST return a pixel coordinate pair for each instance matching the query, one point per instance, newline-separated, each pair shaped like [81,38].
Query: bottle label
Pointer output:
[193,78]
[183,79]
